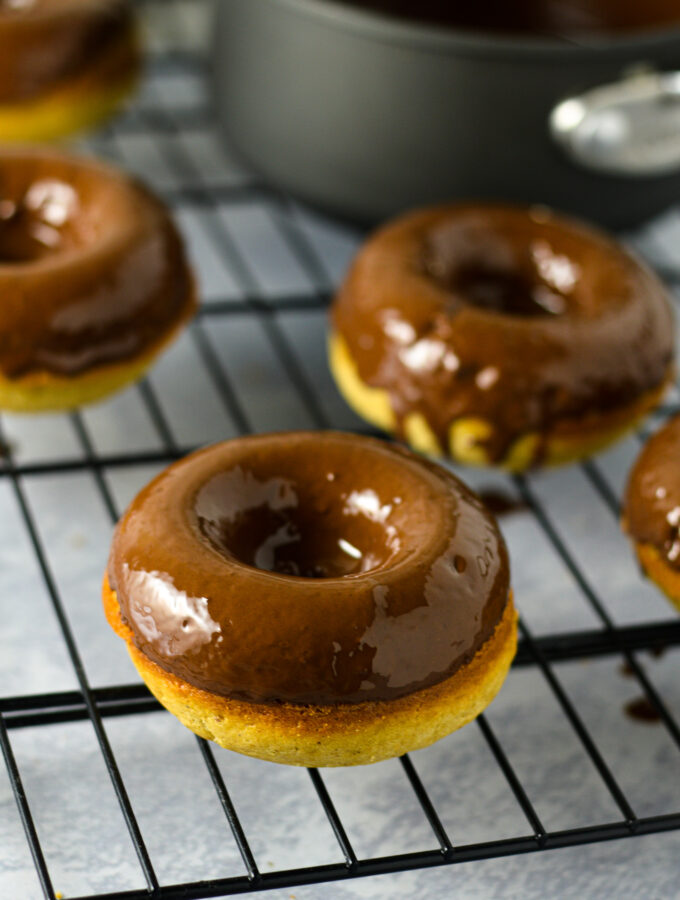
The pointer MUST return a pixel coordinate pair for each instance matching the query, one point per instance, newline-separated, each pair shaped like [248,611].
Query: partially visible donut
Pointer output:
[652,509]
[562,19]
[500,335]
[93,277]
[65,65]
[313,598]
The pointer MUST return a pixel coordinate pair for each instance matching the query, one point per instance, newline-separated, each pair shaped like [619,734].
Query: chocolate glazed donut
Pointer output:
[93,277]
[500,335]
[652,509]
[64,64]
[555,18]
[313,598]
[45,42]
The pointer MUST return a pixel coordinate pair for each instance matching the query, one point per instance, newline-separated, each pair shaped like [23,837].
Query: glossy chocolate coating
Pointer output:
[515,316]
[550,18]
[92,270]
[44,43]
[310,567]
[652,505]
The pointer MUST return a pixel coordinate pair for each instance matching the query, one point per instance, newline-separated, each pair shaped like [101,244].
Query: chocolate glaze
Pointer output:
[626,669]
[44,43]
[515,316]
[652,502]
[92,270]
[554,18]
[642,710]
[500,503]
[315,568]
[629,672]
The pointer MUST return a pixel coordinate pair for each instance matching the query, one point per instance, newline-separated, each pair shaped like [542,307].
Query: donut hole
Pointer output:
[313,524]
[38,223]
[49,208]
[512,264]
[307,542]
[515,293]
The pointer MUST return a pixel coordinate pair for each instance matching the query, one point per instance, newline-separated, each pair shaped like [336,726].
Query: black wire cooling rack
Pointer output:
[170,130]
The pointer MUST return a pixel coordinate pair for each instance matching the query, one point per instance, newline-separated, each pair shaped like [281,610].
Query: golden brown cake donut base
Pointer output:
[342,735]
[89,98]
[567,442]
[46,392]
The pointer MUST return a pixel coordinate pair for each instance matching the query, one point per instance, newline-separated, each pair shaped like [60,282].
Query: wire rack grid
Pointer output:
[252,361]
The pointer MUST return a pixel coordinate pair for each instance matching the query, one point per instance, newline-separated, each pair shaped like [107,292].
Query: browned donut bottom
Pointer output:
[288,583]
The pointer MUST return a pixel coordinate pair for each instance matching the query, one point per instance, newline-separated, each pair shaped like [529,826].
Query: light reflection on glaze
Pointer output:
[425,355]
[367,503]
[17,4]
[36,223]
[487,377]
[230,494]
[265,555]
[349,549]
[166,616]
[54,201]
[556,269]
[673,519]
[410,647]
[427,572]
[396,328]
